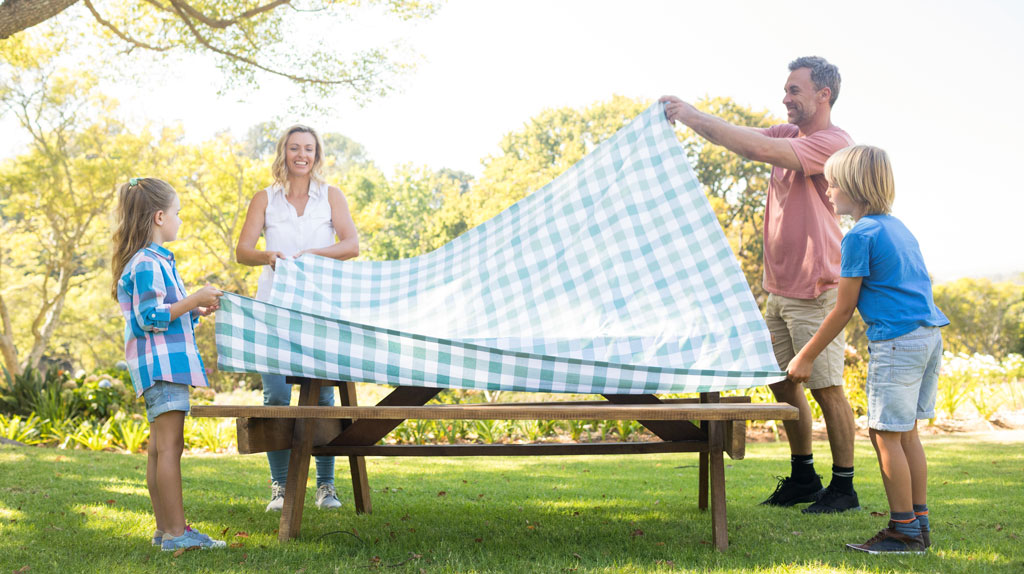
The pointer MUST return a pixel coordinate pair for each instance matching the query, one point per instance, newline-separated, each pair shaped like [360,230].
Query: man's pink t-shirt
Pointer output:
[801,229]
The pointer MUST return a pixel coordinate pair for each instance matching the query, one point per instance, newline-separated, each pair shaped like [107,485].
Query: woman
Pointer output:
[298,214]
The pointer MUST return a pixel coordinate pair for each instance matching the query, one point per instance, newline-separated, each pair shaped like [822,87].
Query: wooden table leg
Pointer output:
[716,469]
[719,530]
[357,464]
[298,466]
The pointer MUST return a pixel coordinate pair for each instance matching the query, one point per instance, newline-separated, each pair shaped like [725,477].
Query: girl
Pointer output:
[298,214]
[160,345]
[883,275]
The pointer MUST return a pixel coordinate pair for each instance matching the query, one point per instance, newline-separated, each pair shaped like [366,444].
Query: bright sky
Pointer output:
[938,84]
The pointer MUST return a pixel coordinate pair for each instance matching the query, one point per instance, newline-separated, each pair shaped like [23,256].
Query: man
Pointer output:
[801,267]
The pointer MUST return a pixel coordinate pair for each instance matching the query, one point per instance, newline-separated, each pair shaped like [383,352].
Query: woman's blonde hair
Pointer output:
[865,174]
[137,202]
[280,168]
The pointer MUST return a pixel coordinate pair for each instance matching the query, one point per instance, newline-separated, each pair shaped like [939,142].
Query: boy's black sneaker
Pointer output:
[889,541]
[832,501]
[789,491]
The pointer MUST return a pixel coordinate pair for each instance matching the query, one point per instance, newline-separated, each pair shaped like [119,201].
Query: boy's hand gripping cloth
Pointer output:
[614,278]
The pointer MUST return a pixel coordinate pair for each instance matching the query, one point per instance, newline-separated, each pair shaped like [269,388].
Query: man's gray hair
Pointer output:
[823,74]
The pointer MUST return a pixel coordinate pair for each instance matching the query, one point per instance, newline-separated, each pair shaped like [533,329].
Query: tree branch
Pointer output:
[18,15]
[221,23]
[117,31]
[248,61]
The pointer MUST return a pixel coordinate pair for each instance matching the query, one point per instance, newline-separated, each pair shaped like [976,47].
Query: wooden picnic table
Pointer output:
[354,431]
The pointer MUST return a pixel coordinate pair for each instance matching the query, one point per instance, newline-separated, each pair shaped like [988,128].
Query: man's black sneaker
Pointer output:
[789,491]
[833,501]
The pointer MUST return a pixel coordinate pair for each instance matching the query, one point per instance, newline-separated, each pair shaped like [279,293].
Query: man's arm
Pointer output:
[747,142]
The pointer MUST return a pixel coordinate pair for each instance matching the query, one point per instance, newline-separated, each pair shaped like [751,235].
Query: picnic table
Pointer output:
[709,425]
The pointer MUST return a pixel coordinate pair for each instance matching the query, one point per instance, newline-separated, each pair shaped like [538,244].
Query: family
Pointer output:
[815,277]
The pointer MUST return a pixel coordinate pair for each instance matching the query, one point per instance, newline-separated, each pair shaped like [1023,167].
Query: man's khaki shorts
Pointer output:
[792,323]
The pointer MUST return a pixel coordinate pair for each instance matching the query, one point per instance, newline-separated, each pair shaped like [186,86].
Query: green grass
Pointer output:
[78,511]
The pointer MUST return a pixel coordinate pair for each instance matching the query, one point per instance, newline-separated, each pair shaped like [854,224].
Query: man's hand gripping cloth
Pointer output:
[614,278]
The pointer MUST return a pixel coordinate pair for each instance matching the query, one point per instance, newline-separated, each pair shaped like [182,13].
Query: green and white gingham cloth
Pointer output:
[614,278]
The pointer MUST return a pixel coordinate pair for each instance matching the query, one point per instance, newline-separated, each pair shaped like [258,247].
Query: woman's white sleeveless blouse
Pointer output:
[287,232]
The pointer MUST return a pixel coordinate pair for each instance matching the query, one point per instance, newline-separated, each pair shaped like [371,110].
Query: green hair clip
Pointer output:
[133,181]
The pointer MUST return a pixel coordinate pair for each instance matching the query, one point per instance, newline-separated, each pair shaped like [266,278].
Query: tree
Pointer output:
[985,317]
[246,37]
[55,197]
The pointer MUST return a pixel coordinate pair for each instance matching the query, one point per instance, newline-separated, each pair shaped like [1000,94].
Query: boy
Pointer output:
[883,275]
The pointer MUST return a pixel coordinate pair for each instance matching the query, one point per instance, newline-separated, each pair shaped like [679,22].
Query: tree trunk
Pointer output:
[18,15]
[7,348]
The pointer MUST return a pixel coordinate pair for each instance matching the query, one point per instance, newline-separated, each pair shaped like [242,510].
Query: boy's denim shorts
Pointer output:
[903,378]
[163,397]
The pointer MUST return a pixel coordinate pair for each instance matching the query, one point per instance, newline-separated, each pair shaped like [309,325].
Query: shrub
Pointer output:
[25,431]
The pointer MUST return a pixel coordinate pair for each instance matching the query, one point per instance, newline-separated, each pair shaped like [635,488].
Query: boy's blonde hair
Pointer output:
[864,173]
[280,169]
[137,202]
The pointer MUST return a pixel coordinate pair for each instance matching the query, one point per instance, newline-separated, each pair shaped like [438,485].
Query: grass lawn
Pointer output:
[79,511]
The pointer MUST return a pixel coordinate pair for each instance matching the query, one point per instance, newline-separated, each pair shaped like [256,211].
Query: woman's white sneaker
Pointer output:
[276,497]
[327,497]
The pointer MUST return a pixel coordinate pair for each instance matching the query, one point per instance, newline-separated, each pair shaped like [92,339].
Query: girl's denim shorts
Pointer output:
[163,397]
[903,378]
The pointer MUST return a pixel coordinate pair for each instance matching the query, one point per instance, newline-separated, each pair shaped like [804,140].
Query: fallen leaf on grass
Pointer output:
[179,552]
[577,556]
[375,560]
[999,527]
[225,531]
[659,543]
[530,527]
[876,513]
[237,545]
[442,493]
[111,502]
[637,532]
[23,569]
[241,534]
[797,533]
[478,540]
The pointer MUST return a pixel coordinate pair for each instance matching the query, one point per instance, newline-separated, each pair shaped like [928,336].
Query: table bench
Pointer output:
[354,431]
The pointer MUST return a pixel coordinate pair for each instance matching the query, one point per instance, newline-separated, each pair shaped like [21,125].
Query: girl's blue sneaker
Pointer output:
[158,535]
[191,539]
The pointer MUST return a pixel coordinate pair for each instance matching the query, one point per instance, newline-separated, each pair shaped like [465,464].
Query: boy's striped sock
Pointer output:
[921,512]
[905,523]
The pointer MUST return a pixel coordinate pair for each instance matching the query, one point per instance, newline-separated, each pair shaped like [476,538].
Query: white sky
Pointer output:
[938,84]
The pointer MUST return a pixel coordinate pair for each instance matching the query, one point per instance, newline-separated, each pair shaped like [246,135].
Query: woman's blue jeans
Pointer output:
[277,392]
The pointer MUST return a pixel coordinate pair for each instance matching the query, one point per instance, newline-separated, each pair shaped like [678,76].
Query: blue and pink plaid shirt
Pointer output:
[156,348]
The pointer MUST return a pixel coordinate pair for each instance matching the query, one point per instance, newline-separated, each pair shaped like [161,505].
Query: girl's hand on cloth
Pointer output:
[272,257]
[800,369]
[207,311]
[208,296]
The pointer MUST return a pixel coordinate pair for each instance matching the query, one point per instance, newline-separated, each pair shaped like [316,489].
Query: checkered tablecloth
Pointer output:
[614,278]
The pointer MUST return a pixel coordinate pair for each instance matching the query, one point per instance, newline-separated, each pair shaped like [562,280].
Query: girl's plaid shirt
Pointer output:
[156,348]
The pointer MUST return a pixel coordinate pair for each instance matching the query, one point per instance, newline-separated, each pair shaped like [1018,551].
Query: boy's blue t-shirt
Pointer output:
[896,292]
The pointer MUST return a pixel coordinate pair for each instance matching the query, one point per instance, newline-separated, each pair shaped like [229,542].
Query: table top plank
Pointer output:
[513,411]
